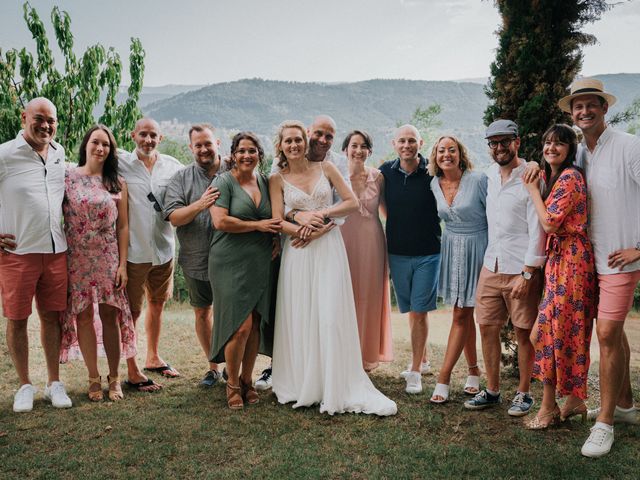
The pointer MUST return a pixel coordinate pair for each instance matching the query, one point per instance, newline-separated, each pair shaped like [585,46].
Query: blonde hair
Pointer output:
[277,142]
[465,161]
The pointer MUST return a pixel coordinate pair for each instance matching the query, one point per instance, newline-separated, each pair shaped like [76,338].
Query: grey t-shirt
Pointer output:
[184,188]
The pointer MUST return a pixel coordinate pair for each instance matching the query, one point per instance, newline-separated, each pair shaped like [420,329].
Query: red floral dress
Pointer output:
[90,214]
[568,307]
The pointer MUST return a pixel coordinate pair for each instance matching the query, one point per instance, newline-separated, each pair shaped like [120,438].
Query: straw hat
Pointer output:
[585,86]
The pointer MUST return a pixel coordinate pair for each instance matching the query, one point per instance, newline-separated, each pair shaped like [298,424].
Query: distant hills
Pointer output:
[374,105]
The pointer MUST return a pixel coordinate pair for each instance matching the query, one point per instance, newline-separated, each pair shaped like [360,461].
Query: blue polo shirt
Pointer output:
[413,226]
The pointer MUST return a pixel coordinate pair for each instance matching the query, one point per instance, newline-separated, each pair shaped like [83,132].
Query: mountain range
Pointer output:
[376,106]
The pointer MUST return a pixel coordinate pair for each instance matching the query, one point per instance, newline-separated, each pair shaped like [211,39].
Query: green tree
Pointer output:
[630,116]
[76,89]
[426,120]
[538,56]
[178,149]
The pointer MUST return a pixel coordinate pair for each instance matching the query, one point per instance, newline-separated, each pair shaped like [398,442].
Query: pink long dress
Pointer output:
[90,214]
[367,252]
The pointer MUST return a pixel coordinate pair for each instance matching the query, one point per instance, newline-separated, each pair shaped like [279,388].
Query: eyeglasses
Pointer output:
[505,142]
[152,198]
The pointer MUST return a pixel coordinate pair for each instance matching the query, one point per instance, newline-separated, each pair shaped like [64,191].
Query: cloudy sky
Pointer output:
[210,41]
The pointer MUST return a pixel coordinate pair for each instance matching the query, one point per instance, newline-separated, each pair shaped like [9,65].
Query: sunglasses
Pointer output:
[156,206]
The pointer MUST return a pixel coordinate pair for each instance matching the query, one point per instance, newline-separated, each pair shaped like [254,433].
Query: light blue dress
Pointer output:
[464,239]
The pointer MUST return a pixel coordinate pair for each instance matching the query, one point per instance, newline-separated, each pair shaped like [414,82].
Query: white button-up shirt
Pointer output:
[151,239]
[612,171]
[31,194]
[516,238]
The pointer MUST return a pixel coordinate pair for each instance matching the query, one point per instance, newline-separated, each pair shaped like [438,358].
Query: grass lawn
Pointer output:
[187,432]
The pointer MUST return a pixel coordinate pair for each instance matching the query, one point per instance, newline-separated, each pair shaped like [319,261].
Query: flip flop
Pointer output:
[139,386]
[166,371]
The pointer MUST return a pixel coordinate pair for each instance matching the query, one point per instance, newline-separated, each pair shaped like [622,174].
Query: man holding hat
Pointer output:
[611,162]
[510,283]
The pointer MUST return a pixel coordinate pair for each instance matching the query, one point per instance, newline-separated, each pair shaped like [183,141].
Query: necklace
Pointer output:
[449,189]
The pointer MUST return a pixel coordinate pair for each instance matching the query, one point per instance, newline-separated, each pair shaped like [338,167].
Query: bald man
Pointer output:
[413,241]
[151,244]
[33,246]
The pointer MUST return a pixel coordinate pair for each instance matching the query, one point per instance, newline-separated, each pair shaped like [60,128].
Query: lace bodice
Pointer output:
[321,195]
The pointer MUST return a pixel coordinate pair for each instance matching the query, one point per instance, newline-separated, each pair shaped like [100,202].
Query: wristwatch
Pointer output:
[526,275]
[638,246]
[292,215]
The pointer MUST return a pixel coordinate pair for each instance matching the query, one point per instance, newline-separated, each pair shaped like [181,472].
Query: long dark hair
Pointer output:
[561,133]
[231,161]
[110,178]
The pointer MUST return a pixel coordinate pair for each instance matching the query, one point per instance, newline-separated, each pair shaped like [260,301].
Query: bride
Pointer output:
[316,352]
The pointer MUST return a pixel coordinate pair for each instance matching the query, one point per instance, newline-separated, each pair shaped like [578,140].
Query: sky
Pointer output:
[197,42]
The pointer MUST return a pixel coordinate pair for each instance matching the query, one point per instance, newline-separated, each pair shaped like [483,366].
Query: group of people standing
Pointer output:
[263,257]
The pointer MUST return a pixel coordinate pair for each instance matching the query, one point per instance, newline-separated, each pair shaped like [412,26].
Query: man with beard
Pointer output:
[33,247]
[187,201]
[151,244]
[510,283]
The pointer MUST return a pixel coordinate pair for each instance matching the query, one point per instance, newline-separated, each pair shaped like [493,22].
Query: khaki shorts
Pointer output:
[494,304]
[155,280]
[43,275]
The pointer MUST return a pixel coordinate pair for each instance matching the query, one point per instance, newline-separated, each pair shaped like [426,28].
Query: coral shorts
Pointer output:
[43,275]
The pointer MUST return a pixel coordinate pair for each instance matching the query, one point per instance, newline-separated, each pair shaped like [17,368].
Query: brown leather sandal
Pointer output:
[234,397]
[97,395]
[249,393]
[115,390]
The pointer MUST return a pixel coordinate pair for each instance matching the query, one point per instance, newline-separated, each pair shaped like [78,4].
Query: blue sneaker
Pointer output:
[210,379]
[521,405]
[482,400]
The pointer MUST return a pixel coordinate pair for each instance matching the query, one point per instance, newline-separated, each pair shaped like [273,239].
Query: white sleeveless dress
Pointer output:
[316,351]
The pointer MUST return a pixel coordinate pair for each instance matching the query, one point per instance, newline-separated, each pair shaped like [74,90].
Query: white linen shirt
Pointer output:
[612,172]
[31,194]
[151,239]
[516,238]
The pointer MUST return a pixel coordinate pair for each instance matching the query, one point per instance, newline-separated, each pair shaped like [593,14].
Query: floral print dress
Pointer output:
[90,214]
[568,307]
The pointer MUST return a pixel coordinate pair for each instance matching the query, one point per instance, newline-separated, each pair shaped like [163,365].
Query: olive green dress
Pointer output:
[240,267]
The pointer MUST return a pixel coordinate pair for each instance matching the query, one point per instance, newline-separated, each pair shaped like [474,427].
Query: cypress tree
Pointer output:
[538,56]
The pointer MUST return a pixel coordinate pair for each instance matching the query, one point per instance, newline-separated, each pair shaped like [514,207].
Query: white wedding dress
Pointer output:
[316,351]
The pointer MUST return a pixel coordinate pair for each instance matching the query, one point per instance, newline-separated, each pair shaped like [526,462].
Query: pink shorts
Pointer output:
[616,295]
[23,276]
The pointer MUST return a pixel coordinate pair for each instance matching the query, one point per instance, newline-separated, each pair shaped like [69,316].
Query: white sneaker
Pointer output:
[264,381]
[414,382]
[23,399]
[425,369]
[57,394]
[619,415]
[599,442]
